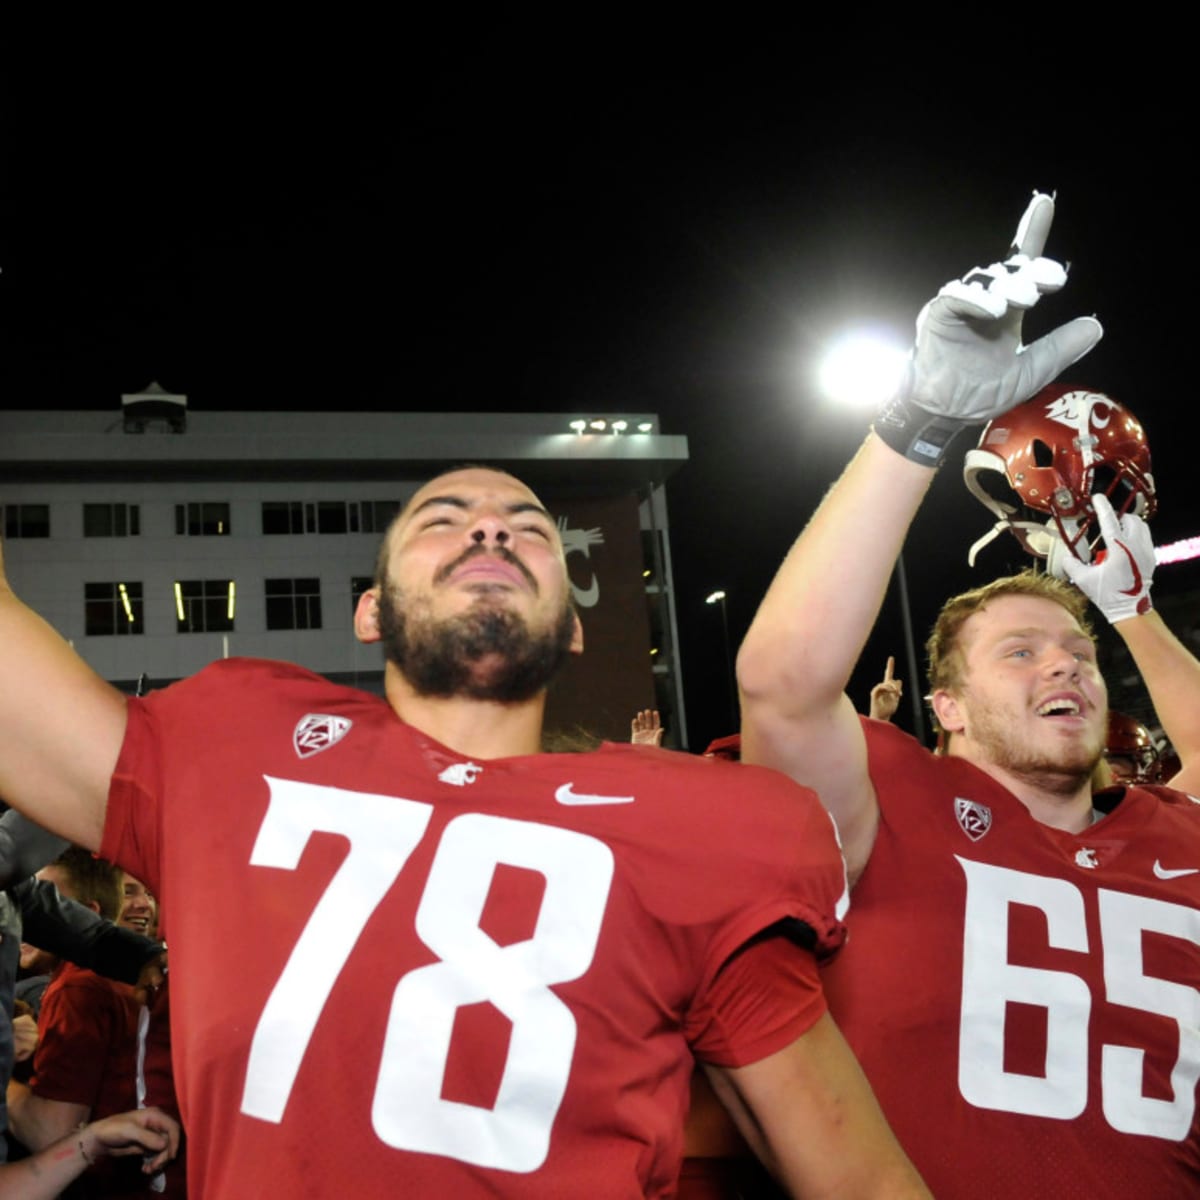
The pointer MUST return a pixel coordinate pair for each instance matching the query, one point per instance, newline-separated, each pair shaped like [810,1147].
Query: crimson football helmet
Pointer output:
[1130,750]
[1051,455]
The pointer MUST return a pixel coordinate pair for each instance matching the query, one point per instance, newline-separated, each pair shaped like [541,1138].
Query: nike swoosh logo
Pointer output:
[1137,575]
[564,795]
[1163,873]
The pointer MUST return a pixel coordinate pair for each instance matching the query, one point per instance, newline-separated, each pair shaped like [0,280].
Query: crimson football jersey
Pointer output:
[86,1054]
[399,971]
[1024,1000]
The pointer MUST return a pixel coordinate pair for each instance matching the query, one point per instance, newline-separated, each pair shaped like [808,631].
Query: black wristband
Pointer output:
[914,432]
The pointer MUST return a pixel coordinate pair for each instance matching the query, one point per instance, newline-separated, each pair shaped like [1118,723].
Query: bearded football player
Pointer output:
[464,968]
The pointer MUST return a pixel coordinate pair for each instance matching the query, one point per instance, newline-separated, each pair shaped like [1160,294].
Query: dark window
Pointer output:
[112,608]
[377,514]
[27,521]
[331,516]
[282,516]
[325,516]
[205,519]
[204,605]
[111,520]
[293,603]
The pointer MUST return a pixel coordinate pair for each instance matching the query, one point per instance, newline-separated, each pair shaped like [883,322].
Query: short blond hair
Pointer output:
[943,647]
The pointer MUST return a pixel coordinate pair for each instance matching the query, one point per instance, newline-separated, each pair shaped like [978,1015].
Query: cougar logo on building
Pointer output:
[975,819]
[317,732]
[581,541]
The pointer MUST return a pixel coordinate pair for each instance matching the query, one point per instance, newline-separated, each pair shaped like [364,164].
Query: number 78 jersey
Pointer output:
[1040,988]
[395,970]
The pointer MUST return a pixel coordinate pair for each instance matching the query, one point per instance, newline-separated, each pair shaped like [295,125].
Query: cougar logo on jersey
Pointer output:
[317,732]
[1086,858]
[460,774]
[975,819]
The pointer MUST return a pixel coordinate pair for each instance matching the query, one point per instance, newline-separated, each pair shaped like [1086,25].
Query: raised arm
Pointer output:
[801,648]
[1119,586]
[61,726]
[967,366]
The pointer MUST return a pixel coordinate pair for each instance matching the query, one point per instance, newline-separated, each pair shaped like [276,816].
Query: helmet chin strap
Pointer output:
[1042,541]
[989,537]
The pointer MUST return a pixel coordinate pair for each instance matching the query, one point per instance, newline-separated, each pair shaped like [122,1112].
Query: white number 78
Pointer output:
[409,1111]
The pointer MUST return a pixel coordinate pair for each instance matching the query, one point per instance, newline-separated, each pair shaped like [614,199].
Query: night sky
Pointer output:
[438,230]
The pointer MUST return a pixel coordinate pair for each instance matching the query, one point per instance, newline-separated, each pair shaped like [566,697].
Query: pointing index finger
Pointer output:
[1034,229]
[1110,526]
[891,666]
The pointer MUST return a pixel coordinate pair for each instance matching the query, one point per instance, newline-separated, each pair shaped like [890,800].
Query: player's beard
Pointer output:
[998,741]
[486,653]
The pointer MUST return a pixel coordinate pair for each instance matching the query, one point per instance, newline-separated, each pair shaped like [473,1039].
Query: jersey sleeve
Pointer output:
[765,997]
[132,825]
[782,876]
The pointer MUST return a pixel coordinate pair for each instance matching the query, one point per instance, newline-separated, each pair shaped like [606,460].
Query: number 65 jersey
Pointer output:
[1024,1000]
[397,971]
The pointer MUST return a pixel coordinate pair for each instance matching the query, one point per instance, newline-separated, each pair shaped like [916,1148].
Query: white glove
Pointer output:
[1119,584]
[968,364]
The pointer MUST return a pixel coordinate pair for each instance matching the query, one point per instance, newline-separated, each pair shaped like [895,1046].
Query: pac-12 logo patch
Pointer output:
[317,732]
[975,819]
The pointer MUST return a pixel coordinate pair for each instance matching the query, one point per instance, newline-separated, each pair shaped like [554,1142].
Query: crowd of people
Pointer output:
[467,967]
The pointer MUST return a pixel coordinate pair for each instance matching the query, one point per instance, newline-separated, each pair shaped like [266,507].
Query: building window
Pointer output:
[206,519]
[111,520]
[27,520]
[112,608]
[331,516]
[204,605]
[358,585]
[293,603]
[328,516]
[377,514]
[282,516]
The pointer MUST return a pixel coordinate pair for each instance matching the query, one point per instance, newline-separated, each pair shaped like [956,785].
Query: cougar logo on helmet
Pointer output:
[1049,456]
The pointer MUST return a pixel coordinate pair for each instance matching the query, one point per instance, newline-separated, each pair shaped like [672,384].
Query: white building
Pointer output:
[158,539]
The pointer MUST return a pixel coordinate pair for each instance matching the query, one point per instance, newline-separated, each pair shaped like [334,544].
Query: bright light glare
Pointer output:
[862,369]
[714,597]
[1178,551]
[579,426]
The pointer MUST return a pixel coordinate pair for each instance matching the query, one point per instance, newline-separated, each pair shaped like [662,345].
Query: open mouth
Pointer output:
[1060,707]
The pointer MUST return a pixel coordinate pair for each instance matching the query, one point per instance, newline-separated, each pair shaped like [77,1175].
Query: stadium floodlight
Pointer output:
[579,425]
[862,368]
